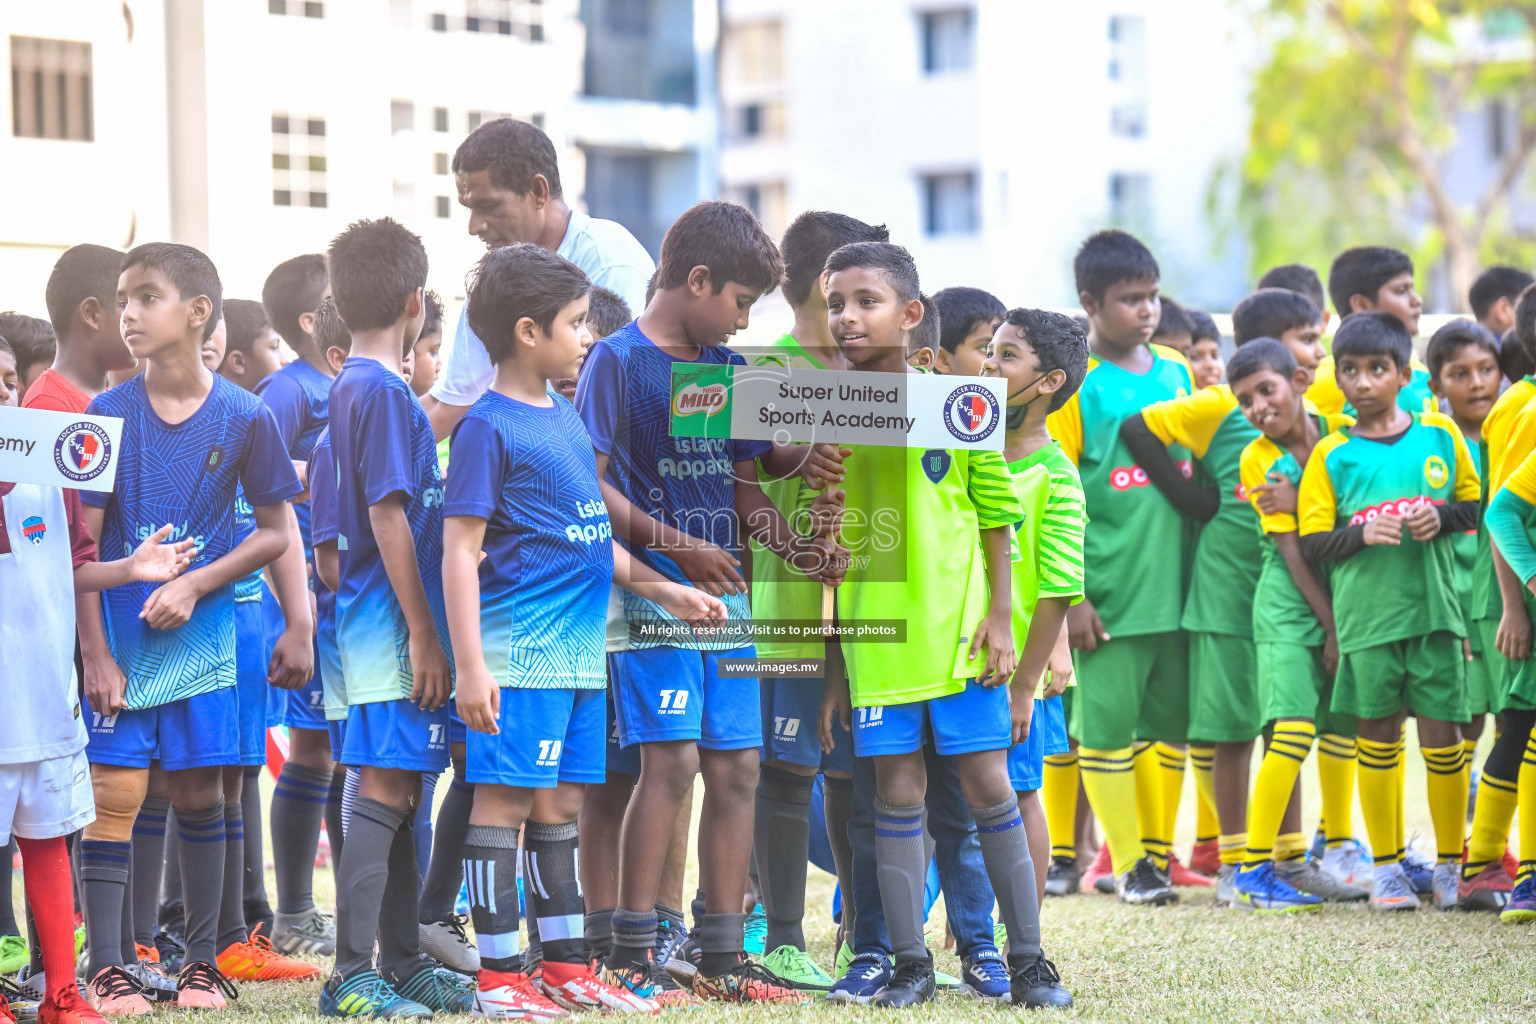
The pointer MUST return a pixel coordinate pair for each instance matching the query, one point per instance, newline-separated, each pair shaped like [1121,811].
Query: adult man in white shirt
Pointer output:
[508,178]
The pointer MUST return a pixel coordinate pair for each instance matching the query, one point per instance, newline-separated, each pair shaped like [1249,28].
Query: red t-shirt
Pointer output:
[52,390]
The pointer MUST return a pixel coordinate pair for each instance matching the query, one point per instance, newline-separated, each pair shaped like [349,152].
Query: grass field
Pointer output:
[1193,962]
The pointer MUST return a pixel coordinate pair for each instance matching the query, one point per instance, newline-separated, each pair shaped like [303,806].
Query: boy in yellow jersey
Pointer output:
[1132,658]
[1374,278]
[1512,522]
[1043,357]
[1296,650]
[1379,502]
[1503,624]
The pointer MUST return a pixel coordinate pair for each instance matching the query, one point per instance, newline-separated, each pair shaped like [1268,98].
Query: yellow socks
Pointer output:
[1378,805]
[1109,781]
[1336,778]
[1496,801]
[1149,803]
[1272,789]
[1527,811]
[1059,791]
[1291,846]
[1170,763]
[1232,848]
[1400,767]
[1447,792]
[1203,761]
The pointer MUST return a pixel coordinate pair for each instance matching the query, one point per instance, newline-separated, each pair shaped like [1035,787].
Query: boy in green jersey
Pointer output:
[1132,658]
[1379,501]
[1296,652]
[944,572]
[1502,623]
[1043,357]
[1512,521]
[792,754]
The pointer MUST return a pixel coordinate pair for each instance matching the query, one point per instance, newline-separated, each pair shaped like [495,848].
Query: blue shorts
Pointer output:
[547,736]
[790,709]
[457,731]
[338,731]
[272,616]
[972,720]
[621,760]
[396,734]
[306,705]
[674,693]
[194,732]
[251,685]
[1047,735]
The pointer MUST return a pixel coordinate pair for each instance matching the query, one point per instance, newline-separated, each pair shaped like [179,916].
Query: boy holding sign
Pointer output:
[938,679]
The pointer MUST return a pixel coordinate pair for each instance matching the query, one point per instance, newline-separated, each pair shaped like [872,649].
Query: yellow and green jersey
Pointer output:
[1508,437]
[1512,520]
[1280,612]
[778,591]
[1464,546]
[1136,543]
[912,526]
[1390,592]
[1048,542]
[1327,398]
[1226,567]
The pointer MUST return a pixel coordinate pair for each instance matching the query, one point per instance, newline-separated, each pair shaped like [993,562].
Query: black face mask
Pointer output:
[1015,414]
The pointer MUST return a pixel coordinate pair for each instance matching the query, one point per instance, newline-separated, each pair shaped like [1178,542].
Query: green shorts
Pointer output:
[1293,684]
[1134,687]
[1425,675]
[1488,685]
[1223,689]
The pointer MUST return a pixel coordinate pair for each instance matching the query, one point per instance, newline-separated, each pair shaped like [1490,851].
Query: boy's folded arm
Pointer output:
[1507,516]
[261,547]
[1189,500]
[1458,517]
[1333,545]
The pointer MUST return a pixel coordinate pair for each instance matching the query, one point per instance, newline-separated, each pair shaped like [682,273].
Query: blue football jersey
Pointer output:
[188,474]
[382,445]
[299,396]
[530,472]
[624,396]
[322,504]
[247,588]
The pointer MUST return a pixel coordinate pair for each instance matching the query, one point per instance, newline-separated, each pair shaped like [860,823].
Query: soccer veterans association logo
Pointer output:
[83,451]
[970,412]
[33,529]
[1436,472]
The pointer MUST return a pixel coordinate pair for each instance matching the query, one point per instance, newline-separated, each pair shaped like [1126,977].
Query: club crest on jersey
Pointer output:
[970,412]
[936,463]
[33,529]
[1436,472]
[82,451]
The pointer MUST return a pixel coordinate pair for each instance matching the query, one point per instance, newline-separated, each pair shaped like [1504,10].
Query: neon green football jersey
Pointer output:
[1136,546]
[1390,592]
[1048,541]
[912,527]
[1280,612]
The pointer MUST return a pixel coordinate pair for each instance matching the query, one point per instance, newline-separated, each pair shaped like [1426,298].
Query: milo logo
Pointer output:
[692,399]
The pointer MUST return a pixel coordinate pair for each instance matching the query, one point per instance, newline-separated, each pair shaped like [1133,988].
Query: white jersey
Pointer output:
[38,691]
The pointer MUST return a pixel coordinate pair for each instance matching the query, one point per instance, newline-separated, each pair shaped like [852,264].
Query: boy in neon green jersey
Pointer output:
[946,574]
[1043,357]
[1379,501]
[1296,651]
[1132,658]
[1374,278]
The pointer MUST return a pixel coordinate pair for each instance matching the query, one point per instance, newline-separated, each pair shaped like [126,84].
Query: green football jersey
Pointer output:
[1048,541]
[1226,565]
[1464,546]
[1280,612]
[1390,592]
[1135,548]
[778,591]
[912,528]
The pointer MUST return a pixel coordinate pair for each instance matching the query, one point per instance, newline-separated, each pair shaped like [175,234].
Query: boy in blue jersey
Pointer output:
[389,626]
[190,442]
[528,625]
[299,395]
[678,504]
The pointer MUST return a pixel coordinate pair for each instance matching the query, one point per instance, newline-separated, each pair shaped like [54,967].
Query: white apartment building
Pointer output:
[992,136]
[257,129]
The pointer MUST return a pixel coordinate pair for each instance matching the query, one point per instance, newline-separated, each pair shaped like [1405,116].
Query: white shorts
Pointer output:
[44,799]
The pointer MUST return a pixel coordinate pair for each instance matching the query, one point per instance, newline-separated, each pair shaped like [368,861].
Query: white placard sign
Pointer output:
[59,449]
[901,410]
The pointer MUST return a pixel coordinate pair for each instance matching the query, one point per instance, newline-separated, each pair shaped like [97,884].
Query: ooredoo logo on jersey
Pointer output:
[970,412]
[83,451]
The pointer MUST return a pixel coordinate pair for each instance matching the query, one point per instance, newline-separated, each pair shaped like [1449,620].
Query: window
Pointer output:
[629,17]
[298,161]
[296,8]
[752,120]
[537,120]
[949,204]
[440,163]
[1130,198]
[472,120]
[444,207]
[51,89]
[1128,75]
[523,18]
[440,119]
[402,116]
[768,201]
[760,52]
[439,23]
[948,40]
